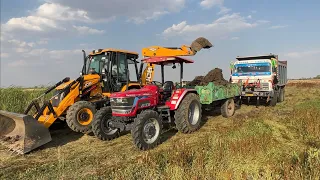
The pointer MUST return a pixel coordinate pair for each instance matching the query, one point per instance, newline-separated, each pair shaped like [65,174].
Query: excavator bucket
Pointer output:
[200,43]
[22,133]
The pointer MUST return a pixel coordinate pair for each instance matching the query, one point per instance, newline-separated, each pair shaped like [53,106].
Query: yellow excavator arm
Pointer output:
[183,50]
[152,51]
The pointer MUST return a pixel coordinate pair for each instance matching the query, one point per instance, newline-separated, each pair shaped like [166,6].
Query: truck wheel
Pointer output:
[188,115]
[274,100]
[146,130]
[80,115]
[281,95]
[228,108]
[100,125]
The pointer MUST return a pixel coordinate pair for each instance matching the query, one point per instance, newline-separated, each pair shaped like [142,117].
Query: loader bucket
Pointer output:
[200,43]
[22,133]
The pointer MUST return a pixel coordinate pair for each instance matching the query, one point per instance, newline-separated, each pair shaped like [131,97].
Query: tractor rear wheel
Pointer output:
[188,115]
[100,125]
[80,116]
[146,130]
[228,108]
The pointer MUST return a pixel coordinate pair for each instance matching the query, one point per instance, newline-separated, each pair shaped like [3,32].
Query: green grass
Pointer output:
[281,142]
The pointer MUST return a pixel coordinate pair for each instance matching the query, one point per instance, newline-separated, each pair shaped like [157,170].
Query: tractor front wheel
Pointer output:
[80,116]
[146,130]
[188,115]
[100,125]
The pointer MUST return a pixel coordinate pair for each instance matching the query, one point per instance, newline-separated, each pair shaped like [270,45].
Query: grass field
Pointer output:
[281,142]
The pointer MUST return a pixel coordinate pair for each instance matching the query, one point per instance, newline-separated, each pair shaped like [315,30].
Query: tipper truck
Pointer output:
[263,78]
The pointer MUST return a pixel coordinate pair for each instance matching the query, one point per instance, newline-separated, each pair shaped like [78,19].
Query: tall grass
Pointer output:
[16,99]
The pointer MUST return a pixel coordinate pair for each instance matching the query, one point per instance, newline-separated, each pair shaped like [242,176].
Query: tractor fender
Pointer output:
[177,96]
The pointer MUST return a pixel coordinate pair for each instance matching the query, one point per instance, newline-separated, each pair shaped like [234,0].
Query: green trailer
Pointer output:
[227,97]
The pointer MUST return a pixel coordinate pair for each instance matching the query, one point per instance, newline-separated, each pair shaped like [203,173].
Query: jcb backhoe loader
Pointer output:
[104,71]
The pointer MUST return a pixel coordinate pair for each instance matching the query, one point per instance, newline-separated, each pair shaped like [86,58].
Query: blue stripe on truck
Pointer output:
[252,74]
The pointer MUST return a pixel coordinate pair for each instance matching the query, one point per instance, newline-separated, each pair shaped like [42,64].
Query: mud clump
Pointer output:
[215,76]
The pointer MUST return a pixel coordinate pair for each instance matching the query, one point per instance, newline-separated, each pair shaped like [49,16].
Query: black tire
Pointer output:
[100,125]
[139,134]
[81,109]
[274,100]
[228,108]
[281,95]
[181,116]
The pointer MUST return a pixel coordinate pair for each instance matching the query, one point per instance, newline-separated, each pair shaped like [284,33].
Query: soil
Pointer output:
[200,43]
[215,76]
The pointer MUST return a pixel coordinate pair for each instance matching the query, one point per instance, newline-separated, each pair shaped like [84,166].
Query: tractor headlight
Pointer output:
[122,101]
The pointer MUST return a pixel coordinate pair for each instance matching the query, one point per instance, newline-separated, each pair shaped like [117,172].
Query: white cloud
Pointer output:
[142,19]
[31,23]
[235,38]
[278,27]
[220,27]
[302,54]
[62,13]
[249,17]
[4,55]
[87,30]
[17,63]
[42,41]
[253,11]
[224,10]
[139,11]
[211,3]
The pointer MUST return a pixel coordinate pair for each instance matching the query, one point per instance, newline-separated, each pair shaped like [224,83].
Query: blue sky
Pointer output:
[41,40]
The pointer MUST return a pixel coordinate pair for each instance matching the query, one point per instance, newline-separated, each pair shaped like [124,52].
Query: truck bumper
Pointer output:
[256,94]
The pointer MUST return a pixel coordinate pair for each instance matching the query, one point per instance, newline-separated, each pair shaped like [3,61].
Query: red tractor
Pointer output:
[144,111]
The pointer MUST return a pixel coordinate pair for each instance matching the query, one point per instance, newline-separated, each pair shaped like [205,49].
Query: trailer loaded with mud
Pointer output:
[144,111]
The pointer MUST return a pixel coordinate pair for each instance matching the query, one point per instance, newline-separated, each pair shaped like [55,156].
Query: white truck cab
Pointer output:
[262,77]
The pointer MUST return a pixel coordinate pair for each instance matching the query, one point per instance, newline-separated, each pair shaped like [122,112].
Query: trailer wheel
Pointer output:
[188,115]
[146,130]
[100,125]
[228,108]
[80,115]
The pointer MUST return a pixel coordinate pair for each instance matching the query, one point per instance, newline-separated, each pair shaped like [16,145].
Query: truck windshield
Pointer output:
[253,68]
[96,63]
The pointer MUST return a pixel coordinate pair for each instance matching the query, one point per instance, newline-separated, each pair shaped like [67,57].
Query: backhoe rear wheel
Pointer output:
[188,115]
[100,125]
[80,116]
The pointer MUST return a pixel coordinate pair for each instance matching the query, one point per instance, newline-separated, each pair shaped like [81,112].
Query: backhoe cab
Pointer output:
[104,71]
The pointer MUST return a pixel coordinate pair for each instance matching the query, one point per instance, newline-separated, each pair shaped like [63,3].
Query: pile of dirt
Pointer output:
[196,81]
[215,76]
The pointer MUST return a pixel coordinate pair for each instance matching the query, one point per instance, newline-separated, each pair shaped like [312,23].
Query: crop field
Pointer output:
[281,142]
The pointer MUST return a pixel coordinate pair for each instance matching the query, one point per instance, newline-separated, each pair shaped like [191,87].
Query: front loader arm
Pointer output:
[183,50]
[167,51]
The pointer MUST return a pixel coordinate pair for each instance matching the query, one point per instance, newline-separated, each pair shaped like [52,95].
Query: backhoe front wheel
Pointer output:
[146,130]
[80,116]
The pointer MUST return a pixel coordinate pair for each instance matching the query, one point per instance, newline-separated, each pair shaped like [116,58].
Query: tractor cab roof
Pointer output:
[166,60]
[100,51]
